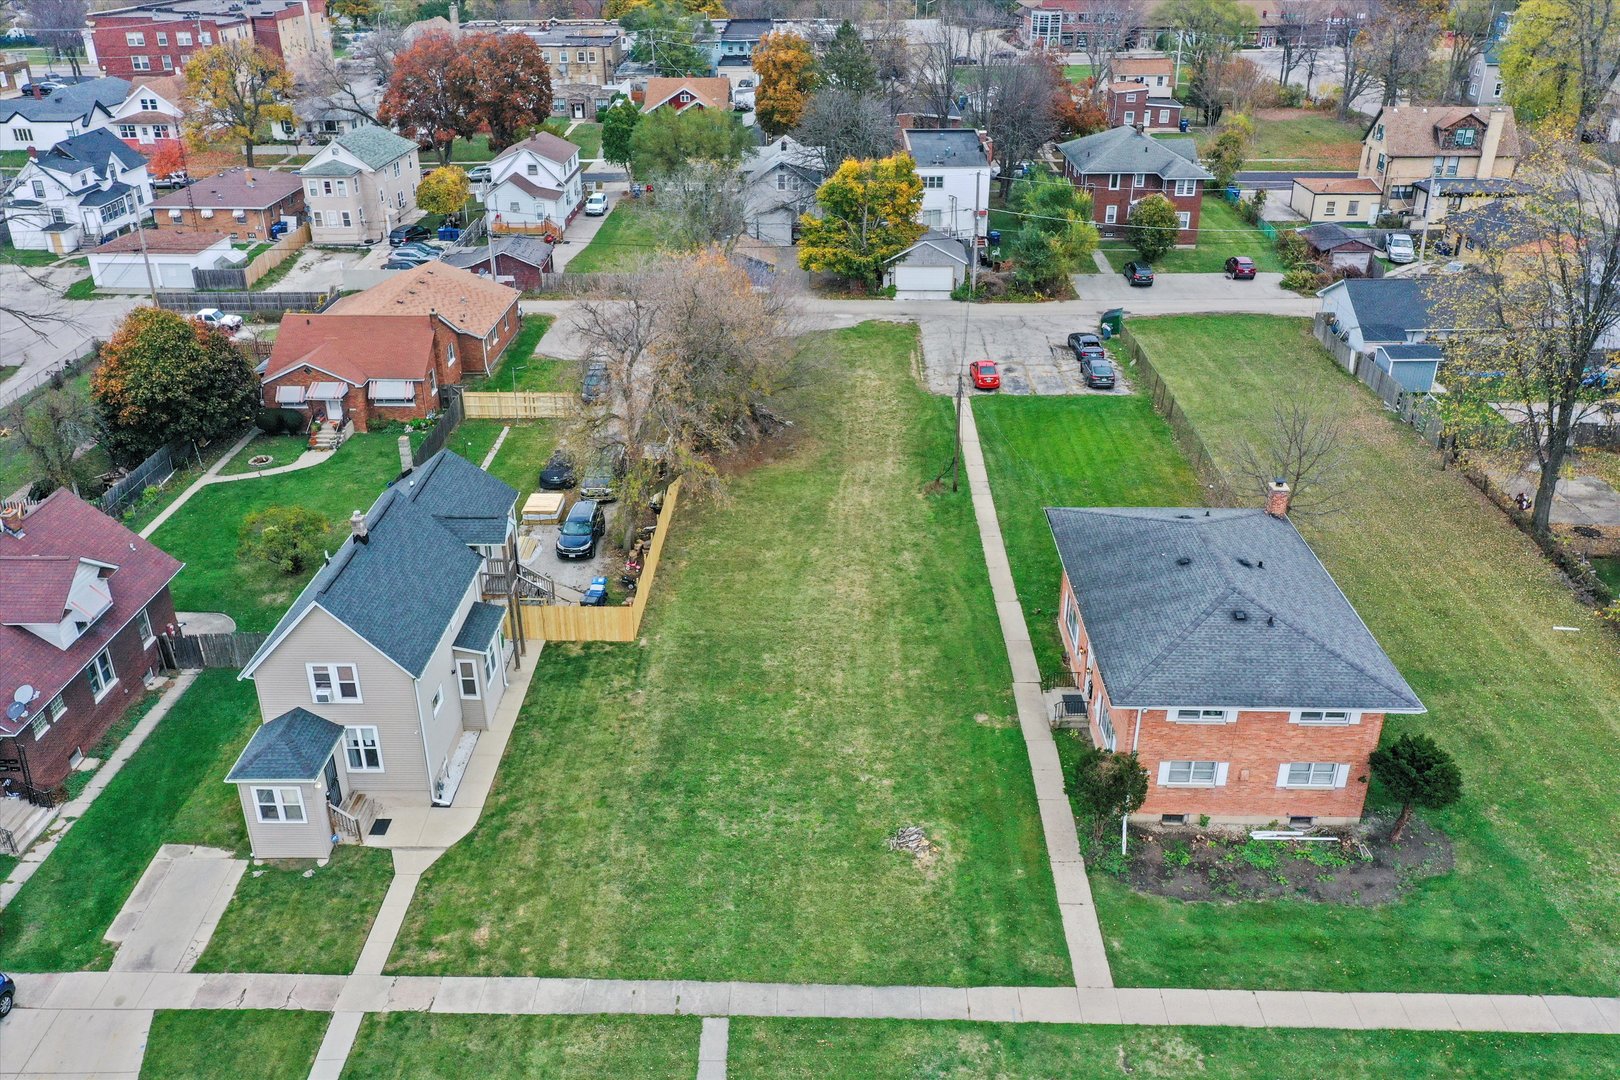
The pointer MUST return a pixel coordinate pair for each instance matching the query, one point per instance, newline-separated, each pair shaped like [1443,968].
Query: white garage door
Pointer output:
[923,282]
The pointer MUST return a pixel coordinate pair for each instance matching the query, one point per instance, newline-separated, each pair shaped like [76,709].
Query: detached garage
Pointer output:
[121,265]
[930,269]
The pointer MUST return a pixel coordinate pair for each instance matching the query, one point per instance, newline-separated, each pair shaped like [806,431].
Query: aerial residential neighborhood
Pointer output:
[783,539]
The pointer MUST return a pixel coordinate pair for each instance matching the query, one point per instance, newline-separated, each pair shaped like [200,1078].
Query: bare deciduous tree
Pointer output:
[1302,447]
[842,125]
[51,429]
[56,25]
[1397,40]
[322,87]
[1350,39]
[702,206]
[1018,110]
[1111,28]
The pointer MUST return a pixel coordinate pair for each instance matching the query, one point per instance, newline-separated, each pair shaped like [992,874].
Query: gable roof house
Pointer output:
[955,165]
[1408,143]
[82,602]
[930,269]
[779,186]
[245,201]
[535,186]
[1338,247]
[687,93]
[356,368]
[474,318]
[1122,166]
[135,262]
[360,185]
[520,261]
[1366,312]
[378,679]
[150,115]
[81,191]
[1216,646]
[73,110]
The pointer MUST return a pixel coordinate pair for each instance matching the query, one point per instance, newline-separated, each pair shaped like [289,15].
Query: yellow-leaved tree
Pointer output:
[235,91]
[618,9]
[868,216]
[787,73]
[445,190]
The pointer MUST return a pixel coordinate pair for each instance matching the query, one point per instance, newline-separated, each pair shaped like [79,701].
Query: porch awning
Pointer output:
[289,395]
[327,391]
[391,390]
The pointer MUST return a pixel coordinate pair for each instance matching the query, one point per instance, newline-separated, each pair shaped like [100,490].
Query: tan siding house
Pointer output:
[360,185]
[1405,144]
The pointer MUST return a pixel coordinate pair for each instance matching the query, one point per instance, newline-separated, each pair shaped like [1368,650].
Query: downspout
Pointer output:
[1136,736]
[421,727]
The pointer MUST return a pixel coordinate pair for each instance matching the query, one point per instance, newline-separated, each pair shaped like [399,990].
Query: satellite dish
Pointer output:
[24,694]
[15,710]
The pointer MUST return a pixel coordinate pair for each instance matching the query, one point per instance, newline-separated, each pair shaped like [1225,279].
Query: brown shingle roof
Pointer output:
[712,93]
[1143,66]
[466,301]
[523,183]
[234,189]
[1409,130]
[546,145]
[355,348]
[170,88]
[161,242]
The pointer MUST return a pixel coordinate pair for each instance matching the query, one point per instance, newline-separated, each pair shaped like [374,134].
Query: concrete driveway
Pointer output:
[581,230]
[1176,293]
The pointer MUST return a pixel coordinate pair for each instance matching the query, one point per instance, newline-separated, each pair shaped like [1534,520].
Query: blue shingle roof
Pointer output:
[1167,633]
[69,103]
[463,498]
[294,746]
[478,628]
[92,150]
[1401,304]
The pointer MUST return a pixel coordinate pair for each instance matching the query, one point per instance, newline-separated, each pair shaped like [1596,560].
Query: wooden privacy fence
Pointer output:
[566,622]
[215,650]
[241,278]
[516,405]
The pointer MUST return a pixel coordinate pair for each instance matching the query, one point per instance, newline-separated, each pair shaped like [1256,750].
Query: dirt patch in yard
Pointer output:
[1359,867]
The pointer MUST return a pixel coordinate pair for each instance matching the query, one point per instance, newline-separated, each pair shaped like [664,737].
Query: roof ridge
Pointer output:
[1175,642]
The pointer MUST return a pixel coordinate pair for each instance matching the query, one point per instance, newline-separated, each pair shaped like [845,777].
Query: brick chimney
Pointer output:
[1278,495]
[357,526]
[248,176]
[1491,142]
[11,518]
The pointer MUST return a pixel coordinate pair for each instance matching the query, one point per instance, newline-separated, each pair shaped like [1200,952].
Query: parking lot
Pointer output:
[1029,351]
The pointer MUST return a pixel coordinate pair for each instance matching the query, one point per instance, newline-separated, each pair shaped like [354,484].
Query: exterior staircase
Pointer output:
[329,436]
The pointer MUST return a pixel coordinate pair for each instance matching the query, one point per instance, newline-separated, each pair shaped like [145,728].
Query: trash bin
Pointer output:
[449,233]
[1184,124]
[994,236]
[1113,322]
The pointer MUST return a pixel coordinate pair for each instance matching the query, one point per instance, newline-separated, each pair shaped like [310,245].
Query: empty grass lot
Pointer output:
[170,792]
[911,1050]
[1301,139]
[1467,609]
[266,1044]
[280,920]
[441,1047]
[821,666]
[627,240]
[1091,450]
[1221,234]
[588,137]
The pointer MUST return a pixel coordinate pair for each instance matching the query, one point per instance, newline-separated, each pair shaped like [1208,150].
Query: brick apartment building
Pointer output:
[1130,103]
[82,603]
[1215,645]
[159,38]
[1124,165]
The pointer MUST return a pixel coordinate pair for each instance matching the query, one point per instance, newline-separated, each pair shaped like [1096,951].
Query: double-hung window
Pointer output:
[101,674]
[126,131]
[140,63]
[1192,773]
[361,749]
[134,39]
[1184,218]
[438,700]
[284,804]
[182,37]
[1312,774]
[467,678]
[1071,619]
[1113,181]
[1185,188]
[334,683]
[1110,214]
[143,621]
[1201,716]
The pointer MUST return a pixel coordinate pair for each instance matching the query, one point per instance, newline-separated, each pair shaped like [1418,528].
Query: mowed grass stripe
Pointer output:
[822,665]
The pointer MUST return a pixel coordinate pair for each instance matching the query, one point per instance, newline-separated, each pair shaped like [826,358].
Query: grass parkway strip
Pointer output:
[822,666]
[262,1043]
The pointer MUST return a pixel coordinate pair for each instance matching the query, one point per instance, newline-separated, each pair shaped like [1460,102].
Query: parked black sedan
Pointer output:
[558,475]
[404,234]
[1098,372]
[1139,273]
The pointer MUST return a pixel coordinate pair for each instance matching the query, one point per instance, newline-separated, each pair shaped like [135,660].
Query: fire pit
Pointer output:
[259,461]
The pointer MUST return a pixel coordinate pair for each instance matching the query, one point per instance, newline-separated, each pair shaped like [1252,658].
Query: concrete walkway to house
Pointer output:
[308,459]
[1080,928]
[166,922]
[75,809]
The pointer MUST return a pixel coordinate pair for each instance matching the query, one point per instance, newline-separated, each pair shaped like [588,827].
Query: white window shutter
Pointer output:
[1282,775]
[1164,773]
[1220,774]
[1341,774]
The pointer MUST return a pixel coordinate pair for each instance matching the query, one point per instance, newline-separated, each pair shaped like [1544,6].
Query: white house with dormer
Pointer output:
[535,182]
[78,193]
[151,114]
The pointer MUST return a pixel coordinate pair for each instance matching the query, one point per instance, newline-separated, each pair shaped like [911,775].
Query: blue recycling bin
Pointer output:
[449,233]
[994,236]
[1184,124]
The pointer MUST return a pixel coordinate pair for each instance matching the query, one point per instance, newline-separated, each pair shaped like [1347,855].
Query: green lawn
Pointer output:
[203,533]
[518,368]
[7,371]
[170,791]
[474,149]
[821,666]
[280,449]
[111,739]
[812,1049]
[1071,451]
[280,920]
[1221,234]
[627,239]
[1467,608]
[588,137]
[266,1044]
[83,289]
[441,1047]
[23,257]
[1298,139]
[528,445]
[1077,72]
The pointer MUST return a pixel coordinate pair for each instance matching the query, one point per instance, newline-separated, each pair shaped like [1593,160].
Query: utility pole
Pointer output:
[140,232]
[1176,81]
[973,260]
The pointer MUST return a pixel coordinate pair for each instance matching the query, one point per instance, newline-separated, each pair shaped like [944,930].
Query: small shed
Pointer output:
[1413,366]
[930,269]
[1339,247]
[285,778]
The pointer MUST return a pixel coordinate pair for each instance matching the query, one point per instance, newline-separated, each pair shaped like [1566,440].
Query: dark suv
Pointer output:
[1083,345]
[1139,273]
[580,530]
[404,234]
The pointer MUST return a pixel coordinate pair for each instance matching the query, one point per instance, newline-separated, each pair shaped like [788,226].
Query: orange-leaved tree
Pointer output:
[425,99]
[787,73]
[504,84]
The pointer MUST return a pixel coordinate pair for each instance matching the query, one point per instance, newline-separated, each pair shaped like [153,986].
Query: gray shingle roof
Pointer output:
[478,628]
[1391,304]
[102,196]
[374,145]
[1126,150]
[466,500]
[934,249]
[69,103]
[1421,351]
[1327,236]
[330,168]
[293,746]
[1166,634]
[92,150]
[948,147]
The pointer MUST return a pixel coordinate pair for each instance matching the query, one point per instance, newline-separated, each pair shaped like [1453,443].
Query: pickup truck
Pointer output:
[219,319]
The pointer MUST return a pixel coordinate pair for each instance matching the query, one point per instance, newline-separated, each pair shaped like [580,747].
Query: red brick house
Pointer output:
[474,318]
[82,603]
[520,261]
[1122,166]
[1215,645]
[243,201]
[1131,103]
[158,38]
[362,368]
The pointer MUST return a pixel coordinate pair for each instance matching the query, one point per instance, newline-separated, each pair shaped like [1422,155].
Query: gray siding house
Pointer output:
[779,186]
[391,647]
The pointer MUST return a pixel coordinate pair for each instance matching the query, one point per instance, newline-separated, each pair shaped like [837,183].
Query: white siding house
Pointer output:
[80,192]
[955,166]
[535,182]
[73,110]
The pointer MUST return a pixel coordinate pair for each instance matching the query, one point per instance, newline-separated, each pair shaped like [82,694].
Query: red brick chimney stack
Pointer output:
[1278,495]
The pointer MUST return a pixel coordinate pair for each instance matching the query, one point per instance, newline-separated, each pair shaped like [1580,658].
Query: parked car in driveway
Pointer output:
[479,174]
[404,234]
[985,375]
[1398,247]
[1098,372]
[419,247]
[558,475]
[580,531]
[1240,268]
[600,480]
[596,204]
[1139,273]
[219,319]
[1081,343]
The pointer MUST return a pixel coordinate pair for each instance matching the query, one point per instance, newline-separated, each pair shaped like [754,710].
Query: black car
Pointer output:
[1086,345]
[404,234]
[1138,273]
[601,479]
[596,384]
[44,88]
[558,475]
[8,995]
[1098,372]
[580,530]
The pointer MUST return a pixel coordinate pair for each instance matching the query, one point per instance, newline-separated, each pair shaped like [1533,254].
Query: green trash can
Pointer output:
[1113,322]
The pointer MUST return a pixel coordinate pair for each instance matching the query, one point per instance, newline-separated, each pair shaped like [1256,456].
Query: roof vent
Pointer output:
[1185,560]
[1239,615]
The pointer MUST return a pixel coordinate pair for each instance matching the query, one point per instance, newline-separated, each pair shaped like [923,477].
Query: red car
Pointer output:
[984,375]
[1240,267]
